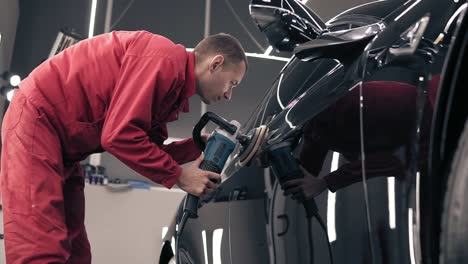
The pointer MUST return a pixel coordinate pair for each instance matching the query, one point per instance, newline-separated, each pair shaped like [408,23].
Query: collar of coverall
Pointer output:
[189,88]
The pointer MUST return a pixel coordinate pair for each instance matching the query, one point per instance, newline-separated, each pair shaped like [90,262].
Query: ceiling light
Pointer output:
[15,80]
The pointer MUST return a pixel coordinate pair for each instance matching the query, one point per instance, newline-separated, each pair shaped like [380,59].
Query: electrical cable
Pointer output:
[121,15]
[179,230]
[324,228]
[177,255]
[244,26]
[311,241]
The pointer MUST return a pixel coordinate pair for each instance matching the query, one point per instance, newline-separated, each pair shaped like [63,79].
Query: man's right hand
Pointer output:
[304,188]
[197,181]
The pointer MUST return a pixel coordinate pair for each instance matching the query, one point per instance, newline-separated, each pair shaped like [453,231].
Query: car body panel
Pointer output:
[351,97]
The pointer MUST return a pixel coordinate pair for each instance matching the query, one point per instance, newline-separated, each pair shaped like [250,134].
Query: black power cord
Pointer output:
[179,230]
[324,228]
[311,241]
[177,249]
[311,211]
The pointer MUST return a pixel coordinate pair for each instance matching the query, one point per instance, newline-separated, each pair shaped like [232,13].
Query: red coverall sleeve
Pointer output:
[142,85]
[182,151]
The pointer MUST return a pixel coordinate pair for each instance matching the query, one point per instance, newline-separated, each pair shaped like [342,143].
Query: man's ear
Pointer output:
[216,63]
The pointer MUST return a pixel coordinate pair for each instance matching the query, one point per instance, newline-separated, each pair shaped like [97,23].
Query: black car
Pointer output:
[372,104]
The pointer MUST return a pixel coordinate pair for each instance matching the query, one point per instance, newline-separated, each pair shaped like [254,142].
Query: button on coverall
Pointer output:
[114,92]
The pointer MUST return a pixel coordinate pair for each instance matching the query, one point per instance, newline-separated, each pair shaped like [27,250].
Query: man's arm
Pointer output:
[143,81]
[182,151]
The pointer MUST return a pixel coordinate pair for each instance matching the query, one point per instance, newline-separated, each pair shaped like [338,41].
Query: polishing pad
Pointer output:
[256,138]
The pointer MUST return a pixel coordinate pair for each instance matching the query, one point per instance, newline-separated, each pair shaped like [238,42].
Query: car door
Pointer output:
[330,122]
[398,100]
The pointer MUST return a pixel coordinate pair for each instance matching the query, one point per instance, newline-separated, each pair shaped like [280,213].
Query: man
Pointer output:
[114,92]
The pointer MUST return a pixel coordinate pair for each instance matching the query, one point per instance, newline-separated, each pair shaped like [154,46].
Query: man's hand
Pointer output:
[305,188]
[198,182]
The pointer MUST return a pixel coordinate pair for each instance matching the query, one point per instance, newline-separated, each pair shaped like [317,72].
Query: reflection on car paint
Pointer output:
[362,123]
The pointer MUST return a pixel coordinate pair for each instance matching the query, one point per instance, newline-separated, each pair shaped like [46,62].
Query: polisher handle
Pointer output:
[192,202]
[210,116]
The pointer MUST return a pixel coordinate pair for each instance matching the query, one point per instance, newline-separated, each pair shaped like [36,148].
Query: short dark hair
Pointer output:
[223,44]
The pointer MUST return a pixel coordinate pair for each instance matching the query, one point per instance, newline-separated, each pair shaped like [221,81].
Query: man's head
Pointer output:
[220,65]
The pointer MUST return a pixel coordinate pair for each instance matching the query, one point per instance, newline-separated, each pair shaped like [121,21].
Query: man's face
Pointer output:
[218,79]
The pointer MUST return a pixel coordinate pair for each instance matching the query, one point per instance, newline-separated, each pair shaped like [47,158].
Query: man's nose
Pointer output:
[228,94]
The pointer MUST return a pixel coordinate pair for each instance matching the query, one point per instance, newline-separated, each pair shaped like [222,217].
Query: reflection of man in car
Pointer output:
[389,118]
[389,123]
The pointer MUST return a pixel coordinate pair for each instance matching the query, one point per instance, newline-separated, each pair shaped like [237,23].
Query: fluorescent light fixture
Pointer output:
[391,202]
[15,80]
[410,228]
[92,19]
[164,232]
[205,250]
[331,202]
[10,94]
[217,238]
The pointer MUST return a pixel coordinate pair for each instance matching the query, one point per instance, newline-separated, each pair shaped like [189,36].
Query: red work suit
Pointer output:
[114,92]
